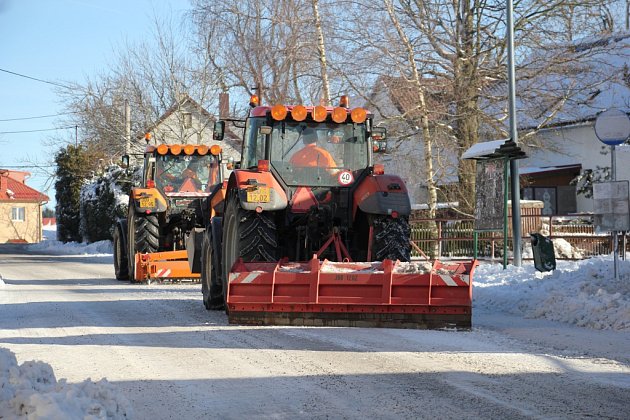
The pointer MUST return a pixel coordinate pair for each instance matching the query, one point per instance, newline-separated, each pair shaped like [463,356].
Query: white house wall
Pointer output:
[577,145]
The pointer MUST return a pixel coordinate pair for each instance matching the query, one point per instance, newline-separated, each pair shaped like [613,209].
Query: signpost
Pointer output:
[612,127]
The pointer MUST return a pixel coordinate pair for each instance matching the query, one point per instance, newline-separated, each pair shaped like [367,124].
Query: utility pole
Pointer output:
[76,136]
[514,170]
[127,127]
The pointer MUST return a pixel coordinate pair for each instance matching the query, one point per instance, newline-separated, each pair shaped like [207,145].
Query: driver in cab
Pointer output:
[311,154]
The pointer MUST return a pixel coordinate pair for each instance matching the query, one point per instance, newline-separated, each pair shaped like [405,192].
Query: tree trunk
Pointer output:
[321,51]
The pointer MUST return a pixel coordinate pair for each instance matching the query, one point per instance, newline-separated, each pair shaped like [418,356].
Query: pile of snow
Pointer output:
[584,293]
[31,391]
[51,245]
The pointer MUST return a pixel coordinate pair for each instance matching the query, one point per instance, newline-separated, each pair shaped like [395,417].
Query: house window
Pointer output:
[187,119]
[18,214]
[556,200]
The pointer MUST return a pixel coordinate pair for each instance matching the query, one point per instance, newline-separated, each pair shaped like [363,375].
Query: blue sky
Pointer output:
[59,41]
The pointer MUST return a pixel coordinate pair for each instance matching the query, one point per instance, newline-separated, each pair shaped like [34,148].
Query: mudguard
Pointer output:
[140,196]
[248,180]
[382,194]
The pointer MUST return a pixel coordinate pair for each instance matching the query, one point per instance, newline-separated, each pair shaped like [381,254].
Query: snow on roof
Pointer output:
[571,83]
[528,170]
[483,149]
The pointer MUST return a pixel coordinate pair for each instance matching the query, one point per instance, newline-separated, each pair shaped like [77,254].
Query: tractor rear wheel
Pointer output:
[390,238]
[211,287]
[121,266]
[248,235]
[143,237]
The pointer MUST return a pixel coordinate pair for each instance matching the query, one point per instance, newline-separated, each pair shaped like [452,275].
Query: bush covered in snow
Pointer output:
[74,165]
[31,391]
[103,200]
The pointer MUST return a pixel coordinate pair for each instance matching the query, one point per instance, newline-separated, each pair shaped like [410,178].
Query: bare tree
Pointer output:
[268,48]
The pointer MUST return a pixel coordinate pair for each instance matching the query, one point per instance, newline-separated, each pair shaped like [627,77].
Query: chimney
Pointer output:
[224,105]
[3,179]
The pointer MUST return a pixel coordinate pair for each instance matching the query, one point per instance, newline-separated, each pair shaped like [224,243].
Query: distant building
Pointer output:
[187,122]
[20,209]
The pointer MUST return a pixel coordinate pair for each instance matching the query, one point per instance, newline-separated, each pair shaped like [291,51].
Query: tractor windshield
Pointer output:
[318,154]
[184,173]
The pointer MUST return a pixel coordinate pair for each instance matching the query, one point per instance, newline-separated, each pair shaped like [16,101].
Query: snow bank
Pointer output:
[583,293]
[30,391]
[73,248]
[52,246]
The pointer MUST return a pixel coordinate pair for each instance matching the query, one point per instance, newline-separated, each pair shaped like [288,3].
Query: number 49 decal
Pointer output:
[345,178]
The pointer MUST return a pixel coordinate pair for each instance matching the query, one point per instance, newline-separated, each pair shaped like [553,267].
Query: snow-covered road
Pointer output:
[173,359]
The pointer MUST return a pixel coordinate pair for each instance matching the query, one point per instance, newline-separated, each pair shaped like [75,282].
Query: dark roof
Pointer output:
[14,190]
[495,149]
[405,95]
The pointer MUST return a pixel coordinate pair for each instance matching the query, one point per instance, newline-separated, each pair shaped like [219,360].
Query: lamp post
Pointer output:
[514,169]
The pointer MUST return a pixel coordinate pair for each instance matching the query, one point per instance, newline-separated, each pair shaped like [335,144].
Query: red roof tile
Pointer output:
[13,190]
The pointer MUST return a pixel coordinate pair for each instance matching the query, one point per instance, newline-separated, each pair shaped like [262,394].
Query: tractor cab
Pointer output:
[182,170]
[309,146]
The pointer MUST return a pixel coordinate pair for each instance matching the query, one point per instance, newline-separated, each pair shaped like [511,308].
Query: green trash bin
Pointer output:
[544,255]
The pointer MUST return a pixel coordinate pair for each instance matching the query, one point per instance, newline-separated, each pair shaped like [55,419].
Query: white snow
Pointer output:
[31,391]
[582,293]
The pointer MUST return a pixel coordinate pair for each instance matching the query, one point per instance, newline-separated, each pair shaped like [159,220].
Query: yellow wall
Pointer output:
[29,230]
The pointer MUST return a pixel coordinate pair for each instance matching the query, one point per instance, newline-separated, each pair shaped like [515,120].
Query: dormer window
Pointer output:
[187,117]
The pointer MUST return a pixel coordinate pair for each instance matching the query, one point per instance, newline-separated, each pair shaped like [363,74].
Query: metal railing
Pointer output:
[574,236]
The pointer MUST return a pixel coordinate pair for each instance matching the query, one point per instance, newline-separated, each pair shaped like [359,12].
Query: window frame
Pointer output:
[21,211]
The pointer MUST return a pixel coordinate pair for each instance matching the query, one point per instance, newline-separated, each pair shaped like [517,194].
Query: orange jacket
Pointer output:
[312,155]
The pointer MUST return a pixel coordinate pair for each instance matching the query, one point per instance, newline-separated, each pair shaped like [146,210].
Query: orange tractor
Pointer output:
[307,230]
[150,244]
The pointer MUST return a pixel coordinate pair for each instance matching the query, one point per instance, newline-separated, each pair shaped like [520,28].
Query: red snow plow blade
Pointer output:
[380,294]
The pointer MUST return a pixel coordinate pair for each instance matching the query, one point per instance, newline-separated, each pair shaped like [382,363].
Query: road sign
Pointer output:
[612,127]
[611,207]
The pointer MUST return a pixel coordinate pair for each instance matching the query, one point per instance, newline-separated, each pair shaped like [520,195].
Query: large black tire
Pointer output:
[121,265]
[211,286]
[248,235]
[143,236]
[391,238]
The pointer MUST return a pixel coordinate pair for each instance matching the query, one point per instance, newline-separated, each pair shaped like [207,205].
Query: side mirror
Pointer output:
[379,139]
[379,146]
[125,161]
[219,130]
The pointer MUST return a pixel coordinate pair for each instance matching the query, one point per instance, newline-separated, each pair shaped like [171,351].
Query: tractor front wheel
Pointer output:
[211,287]
[143,237]
[248,235]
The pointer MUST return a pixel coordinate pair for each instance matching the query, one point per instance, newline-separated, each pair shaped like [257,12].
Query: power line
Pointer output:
[35,78]
[39,116]
[35,131]
[27,166]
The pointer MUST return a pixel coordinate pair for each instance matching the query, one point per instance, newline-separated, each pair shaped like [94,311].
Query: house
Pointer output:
[20,209]
[556,130]
[187,122]
[558,101]
[394,102]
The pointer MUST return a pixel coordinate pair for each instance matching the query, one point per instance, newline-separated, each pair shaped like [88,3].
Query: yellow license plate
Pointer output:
[259,195]
[147,202]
